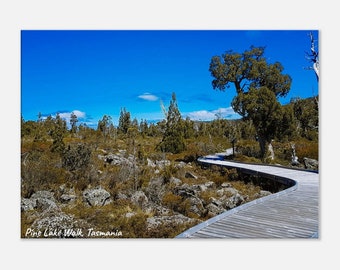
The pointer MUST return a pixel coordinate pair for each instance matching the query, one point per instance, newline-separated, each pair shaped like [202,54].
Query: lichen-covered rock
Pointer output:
[163,163]
[184,191]
[28,204]
[43,194]
[68,198]
[139,198]
[54,223]
[228,191]
[233,201]
[311,164]
[264,193]
[155,190]
[96,196]
[214,210]
[196,206]
[68,195]
[179,219]
[41,200]
[175,181]
[119,158]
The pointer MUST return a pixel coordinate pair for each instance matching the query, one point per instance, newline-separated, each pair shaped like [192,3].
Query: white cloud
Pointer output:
[67,115]
[79,114]
[201,115]
[148,97]
[204,115]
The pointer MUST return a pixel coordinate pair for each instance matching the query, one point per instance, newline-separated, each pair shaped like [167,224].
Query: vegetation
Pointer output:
[147,172]
[173,138]
[55,158]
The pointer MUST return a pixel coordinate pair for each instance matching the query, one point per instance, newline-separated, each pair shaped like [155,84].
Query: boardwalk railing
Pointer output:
[291,213]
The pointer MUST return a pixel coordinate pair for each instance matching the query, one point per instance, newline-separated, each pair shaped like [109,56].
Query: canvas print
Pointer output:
[169,134]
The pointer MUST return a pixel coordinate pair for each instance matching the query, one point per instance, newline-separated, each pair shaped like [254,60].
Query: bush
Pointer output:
[76,157]
[40,171]
[172,201]
[307,149]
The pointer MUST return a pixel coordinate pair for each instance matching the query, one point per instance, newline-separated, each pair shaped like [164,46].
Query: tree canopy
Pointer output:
[258,84]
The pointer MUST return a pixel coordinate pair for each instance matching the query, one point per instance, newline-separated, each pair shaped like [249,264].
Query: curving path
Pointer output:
[291,213]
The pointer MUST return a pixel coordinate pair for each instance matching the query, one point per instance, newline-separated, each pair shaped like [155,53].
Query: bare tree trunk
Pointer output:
[271,151]
[262,143]
[266,147]
[314,57]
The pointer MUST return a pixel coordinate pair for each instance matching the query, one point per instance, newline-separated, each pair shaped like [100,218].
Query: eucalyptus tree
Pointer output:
[258,85]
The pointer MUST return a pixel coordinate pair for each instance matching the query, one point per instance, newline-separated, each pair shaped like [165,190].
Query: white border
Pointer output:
[18,15]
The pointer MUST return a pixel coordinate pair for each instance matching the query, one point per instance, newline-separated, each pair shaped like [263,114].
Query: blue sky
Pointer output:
[93,73]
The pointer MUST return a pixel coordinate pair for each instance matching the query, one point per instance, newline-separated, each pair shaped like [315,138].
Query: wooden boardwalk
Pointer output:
[291,213]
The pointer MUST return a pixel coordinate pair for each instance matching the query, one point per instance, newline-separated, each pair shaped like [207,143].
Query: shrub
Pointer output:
[307,149]
[76,157]
[172,201]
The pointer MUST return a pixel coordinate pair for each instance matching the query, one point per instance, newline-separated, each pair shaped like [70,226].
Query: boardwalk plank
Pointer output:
[291,213]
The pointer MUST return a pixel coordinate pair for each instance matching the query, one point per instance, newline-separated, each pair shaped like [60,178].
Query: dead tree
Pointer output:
[313,56]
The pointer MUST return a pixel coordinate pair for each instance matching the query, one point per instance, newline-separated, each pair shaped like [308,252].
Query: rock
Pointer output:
[184,191]
[43,194]
[312,164]
[233,201]
[96,196]
[210,184]
[202,188]
[163,163]
[28,204]
[169,221]
[227,191]
[150,163]
[264,193]
[130,214]
[68,195]
[180,165]
[161,210]
[109,158]
[56,224]
[44,200]
[139,198]
[214,210]
[121,196]
[183,165]
[175,181]
[118,158]
[196,188]
[155,190]
[196,206]
[68,198]
[215,201]
[226,185]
